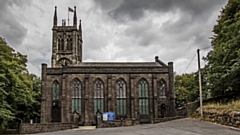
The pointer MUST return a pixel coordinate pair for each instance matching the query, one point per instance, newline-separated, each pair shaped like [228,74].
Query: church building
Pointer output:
[142,91]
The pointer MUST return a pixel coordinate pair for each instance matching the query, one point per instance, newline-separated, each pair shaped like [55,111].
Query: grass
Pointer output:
[234,106]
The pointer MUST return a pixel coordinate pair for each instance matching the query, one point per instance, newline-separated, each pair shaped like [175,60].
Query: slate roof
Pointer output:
[119,64]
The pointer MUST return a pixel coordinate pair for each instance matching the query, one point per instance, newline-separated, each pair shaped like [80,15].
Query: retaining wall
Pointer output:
[40,128]
[230,118]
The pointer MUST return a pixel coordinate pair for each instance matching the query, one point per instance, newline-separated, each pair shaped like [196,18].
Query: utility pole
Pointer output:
[200,84]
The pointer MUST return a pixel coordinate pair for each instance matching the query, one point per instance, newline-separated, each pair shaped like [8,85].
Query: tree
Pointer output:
[187,88]
[223,73]
[19,90]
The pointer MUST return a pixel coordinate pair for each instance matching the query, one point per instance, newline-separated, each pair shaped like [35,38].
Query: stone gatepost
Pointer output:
[99,119]
[75,118]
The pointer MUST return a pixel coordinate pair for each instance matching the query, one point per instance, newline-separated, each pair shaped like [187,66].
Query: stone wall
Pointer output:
[230,118]
[9,131]
[182,112]
[40,128]
[119,123]
[87,74]
[190,109]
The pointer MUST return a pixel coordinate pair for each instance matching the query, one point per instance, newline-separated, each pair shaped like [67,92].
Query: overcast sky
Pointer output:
[115,30]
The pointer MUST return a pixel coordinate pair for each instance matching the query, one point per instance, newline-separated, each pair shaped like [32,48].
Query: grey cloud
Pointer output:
[134,9]
[189,28]
[143,32]
[109,4]
[193,15]
[10,28]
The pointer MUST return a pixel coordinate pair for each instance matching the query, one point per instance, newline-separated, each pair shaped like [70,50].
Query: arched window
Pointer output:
[60,44]
[162,87]
[76,96]
[56,91]
[69,43]
[143,96]
[98,96]
[121,96]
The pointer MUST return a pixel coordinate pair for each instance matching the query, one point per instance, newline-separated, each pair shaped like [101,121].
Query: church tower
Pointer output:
[66,42]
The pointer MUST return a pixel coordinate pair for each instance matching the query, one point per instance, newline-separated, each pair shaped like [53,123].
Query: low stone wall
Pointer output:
[182,112]
[40,128]
[9,131]
[192,107]
[119,123]
[230,118]
[189,110]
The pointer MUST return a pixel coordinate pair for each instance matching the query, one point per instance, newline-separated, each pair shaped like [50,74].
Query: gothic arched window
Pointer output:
[76,96]
[60,44]
[69,43]
[98,96]
[121,96]
[56,91]
[162,87]
[143,96]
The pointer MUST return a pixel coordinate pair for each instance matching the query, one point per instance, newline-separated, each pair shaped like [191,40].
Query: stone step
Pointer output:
[86,127]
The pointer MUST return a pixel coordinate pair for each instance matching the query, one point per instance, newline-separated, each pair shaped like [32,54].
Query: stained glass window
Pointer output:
[98,96]
[121,96]
[56,90]
[76,96]
[143,96]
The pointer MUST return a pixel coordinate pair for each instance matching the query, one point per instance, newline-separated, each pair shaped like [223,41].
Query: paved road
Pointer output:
[175,127]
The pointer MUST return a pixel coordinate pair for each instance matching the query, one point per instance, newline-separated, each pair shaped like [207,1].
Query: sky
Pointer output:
[115,30]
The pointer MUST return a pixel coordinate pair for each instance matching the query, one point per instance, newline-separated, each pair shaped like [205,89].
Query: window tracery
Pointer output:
[143,96]
[98,96]
[121,96]
[76,96]
[162,87]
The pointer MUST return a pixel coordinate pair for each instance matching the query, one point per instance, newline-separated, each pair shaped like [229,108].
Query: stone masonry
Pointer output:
[67,65]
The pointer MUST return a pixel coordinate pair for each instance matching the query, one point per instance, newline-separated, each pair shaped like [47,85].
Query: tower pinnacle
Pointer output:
[80,29]
[55,17]
[75,17]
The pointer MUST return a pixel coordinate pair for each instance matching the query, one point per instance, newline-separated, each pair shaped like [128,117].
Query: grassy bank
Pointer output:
[234,106]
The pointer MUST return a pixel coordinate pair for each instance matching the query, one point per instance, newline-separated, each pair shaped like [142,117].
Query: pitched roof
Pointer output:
[119,64]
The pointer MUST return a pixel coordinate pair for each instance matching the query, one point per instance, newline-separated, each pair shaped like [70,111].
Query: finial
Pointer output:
[80,28]
[55,17]
[156,58]
[75,17]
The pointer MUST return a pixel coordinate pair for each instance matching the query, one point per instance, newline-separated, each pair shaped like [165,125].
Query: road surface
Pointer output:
[176,127]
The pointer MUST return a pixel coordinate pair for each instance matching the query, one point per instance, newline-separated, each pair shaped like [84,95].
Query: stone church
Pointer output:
[142,91]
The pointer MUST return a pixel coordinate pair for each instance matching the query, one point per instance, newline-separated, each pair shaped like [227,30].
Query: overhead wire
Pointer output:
[190,63]
[194,57]
[205,48]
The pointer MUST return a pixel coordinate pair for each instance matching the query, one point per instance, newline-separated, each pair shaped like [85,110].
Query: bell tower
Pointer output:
[66,42]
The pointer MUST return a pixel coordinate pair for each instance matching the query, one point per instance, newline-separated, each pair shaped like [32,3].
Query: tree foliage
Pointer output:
[222,67]
[19,90]
[187,88]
